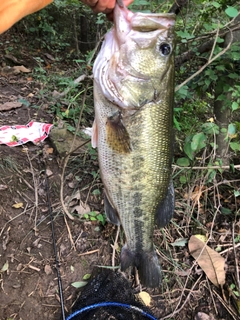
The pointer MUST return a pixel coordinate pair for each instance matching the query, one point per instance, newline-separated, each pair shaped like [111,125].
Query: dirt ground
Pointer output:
[28,279]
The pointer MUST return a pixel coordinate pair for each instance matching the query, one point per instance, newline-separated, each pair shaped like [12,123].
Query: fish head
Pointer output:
[139,62]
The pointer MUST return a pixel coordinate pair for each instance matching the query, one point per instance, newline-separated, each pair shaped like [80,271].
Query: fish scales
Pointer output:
[133,94]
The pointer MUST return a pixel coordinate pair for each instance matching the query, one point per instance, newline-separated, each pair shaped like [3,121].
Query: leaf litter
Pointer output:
[211,262]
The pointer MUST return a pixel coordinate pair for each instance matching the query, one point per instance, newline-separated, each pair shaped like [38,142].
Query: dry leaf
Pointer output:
[10,105]
[3,187]
[145,298]
[72,185]
[182,273]
[202,316]
[49,150]
[17,205]
[201,237]
[49,173]
[48,269]
[5,267]
[49,56]
[211,262]
[18,69]
[81,209]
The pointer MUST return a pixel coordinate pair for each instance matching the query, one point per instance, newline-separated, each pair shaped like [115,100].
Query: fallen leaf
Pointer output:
[19,266]
[3,187]
[182,273]
[211,262]
[5,267]
[17,205]
[36,242]
[49,173]
[181,242]
[145,298]
[87,276]
[49,56]
[18,69]
[10,105]
[48,269]
[6,239]
[72,185]
[81,209]
[202,316]
[201,237]
[79,284]
[49,150]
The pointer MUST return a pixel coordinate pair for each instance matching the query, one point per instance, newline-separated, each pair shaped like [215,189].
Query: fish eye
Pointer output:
[165,49]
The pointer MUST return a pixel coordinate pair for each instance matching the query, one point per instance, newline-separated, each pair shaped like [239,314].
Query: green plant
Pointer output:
[95,216]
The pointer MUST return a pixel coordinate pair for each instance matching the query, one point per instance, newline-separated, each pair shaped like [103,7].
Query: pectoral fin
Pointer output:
[117,135]
[165,208]
[94,138]
[111,212]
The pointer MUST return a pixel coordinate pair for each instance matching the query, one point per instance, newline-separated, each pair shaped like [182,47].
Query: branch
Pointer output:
[210,60]
[206,46]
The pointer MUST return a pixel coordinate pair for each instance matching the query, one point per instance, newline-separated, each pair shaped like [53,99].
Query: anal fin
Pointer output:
[165,209]
[111,213]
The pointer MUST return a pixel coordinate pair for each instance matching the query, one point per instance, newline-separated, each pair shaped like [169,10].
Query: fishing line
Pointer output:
[57,266]
[111,304]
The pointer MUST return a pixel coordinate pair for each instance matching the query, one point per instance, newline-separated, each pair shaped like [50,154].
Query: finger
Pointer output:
[104,6]
[127,2]
[90,3]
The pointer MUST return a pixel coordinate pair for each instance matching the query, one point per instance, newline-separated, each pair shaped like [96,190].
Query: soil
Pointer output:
[28,278]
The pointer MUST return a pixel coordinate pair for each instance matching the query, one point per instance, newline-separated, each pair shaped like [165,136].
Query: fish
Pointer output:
[133,131]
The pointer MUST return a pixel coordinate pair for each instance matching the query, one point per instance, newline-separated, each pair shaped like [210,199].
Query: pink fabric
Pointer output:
[17,135]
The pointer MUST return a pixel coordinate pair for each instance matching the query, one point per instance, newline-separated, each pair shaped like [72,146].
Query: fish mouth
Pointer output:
[125,21]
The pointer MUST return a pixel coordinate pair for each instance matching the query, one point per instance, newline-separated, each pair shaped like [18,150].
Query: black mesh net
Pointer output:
[109,286]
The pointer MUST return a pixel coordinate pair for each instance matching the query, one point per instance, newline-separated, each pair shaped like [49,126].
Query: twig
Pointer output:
[88,252]
[214,44]
[233,314]
[236,257]
[25,181]
[237,166]
[67,158]
[83,76]
[69,232]
[217,207]
[211,294]
[65,209]
[95,50]
[33,268]
[17,216]
[114,246]
[176,311]
[35,191]
[76,81]
[231,248]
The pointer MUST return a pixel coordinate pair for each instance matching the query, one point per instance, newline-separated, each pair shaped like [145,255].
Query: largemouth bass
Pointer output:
[133,130]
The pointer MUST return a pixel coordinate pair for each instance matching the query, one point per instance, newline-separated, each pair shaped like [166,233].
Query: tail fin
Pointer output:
[146,262]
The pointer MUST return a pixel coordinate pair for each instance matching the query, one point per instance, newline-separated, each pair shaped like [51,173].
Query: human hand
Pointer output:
[105,6]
